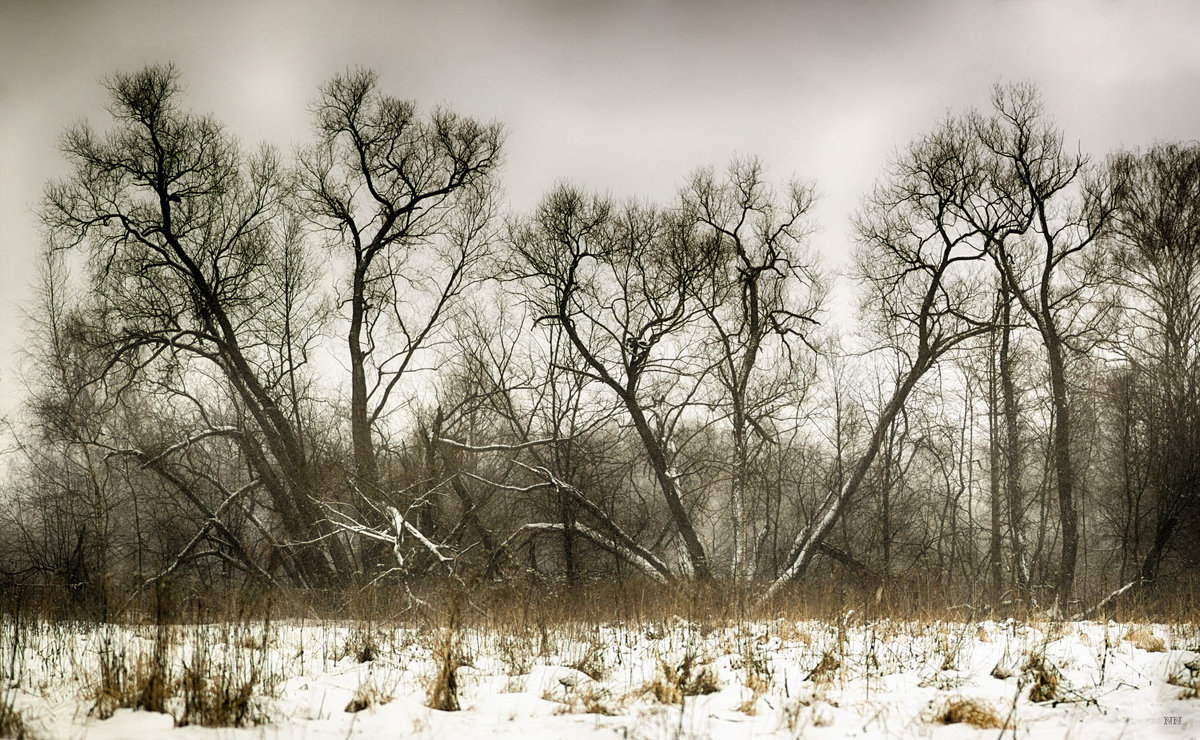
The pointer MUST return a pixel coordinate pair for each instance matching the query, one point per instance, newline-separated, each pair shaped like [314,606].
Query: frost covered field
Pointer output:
[652,679]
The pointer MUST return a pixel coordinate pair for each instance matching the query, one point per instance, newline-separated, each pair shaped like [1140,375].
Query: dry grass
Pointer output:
[368,694]
[362,644]
[222,693]
[591,663]
[1044,679]
[588,699]
[521,627]
[826,668]
[1142,637]
[132,682]
[1188,678]
[523,607]
[515,652]
[217,699]
[759,676]
[441,689]
[689,677]
[812,707]
[1188,682]
[205,690]
[978,713]
[12,722]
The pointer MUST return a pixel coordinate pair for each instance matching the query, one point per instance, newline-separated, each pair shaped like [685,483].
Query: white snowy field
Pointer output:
[775,679]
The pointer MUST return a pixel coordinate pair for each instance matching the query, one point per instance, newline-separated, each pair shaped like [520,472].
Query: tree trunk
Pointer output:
[360,425]
[995,552]
[740,569]
[1063,470]
[809,538]
[668,482]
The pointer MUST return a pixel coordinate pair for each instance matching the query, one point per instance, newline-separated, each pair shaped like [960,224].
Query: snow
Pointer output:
[779,679]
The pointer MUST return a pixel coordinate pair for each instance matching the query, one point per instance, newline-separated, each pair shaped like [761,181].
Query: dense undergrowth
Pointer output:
[554,601]
[230,659]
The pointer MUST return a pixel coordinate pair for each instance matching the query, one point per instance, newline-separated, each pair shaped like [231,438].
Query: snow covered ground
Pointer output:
[781,679]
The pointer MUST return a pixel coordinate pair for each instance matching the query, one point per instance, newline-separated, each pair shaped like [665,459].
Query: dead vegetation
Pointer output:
[441,688]
[1043,678]
[624,657]
[977,713]
[369,693]
[132,682]
[362,644]
[219,678]
[591,661]
[1187,677]
[758,677]
[1141,636]
[689,676]
[826,668]
[12,722]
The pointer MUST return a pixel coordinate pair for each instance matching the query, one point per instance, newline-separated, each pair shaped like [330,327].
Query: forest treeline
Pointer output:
[349,364]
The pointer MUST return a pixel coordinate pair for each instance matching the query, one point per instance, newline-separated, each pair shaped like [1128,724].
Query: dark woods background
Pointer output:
[348,365]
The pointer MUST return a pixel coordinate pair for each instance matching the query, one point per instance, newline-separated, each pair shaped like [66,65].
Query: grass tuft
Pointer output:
[1044,679]
[441,689]
[977,713]
[141,682]
[362,644]
[12,722]
[689,677]
[368,694]
[826,668]
[1188,678]
[1143,638]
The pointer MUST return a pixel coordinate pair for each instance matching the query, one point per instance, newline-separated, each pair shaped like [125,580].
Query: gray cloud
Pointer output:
[620,96]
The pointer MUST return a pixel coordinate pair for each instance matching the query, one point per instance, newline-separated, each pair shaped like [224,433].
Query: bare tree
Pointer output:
[620,283]
[919,266]
[410,201]
[1060,206]
[558,449]
[1006,498]
[182,232]
[760,302]
[1156,233]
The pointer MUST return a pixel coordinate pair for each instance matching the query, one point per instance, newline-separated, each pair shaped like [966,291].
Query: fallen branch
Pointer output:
[184,554]
[401,524]
[608,544]
[849,561]
[1105,602]
[499,447]
[620,537]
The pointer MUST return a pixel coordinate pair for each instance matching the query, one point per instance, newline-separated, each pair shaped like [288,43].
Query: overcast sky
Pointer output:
[623,97]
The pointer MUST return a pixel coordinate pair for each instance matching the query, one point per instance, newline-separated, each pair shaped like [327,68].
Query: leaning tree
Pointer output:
[923,292]
[620,283]
[187,240]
